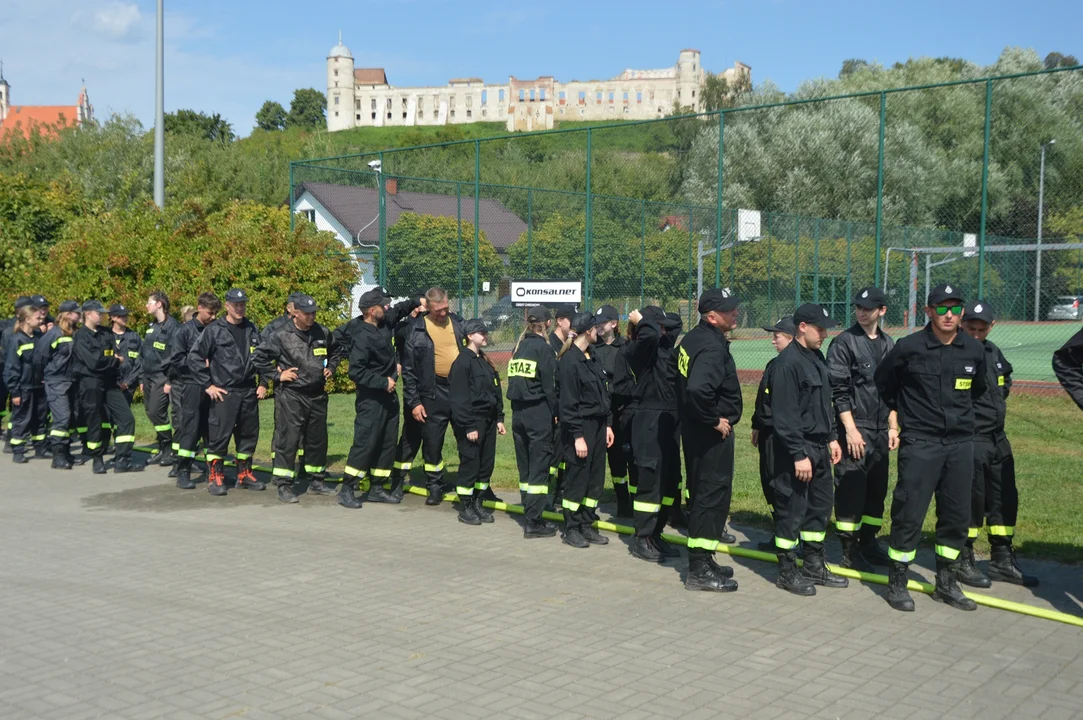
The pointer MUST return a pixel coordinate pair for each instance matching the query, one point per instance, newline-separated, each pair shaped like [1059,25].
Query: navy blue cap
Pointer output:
[372,298]
[608,313]
[538,313]
[118,310]
[943,293]
[236,295]
[305,304]
[39,301]
[582,322]
[68,306]
[93,306]
[980,310]
[474,325]
[870,298]
[784,325]
[719,300]
[23,301]
[565,311]
[814,314]
[673,323]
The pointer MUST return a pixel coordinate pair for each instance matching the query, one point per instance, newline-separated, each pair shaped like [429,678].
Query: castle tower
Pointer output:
[5,94]
[340,88]
[689,79]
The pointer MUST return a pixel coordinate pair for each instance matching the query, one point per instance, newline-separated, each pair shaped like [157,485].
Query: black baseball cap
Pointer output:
[870,298]
[236,295]
[784,325]
[23,301]
[653,313]
[673,323]
[305,304]
[38,301]
[538,313]
[68,306]
[943,293]
[292,297]
[372,298]
[584,321]
[93,306]
[813,314]
[118,310]
[607,313]
[980,310]
[719,300]
[474,325]
[565,311]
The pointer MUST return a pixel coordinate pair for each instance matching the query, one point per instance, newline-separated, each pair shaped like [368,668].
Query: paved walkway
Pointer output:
[121,597]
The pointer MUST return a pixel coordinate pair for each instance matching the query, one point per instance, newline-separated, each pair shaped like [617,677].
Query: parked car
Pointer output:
[1067,307]
[500,313]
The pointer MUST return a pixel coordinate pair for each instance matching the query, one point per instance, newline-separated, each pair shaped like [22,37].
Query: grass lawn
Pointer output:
[1044,431]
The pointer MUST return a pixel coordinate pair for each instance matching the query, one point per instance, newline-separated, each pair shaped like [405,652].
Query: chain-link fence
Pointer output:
[974,182]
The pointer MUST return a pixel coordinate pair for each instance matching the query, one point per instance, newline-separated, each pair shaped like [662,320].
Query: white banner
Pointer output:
[546,292]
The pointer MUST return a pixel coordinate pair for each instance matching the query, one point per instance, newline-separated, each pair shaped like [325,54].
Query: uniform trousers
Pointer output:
[300,418]
[861,485]
[802,509]
[708,460]
[60,397]
[191,421]
[157,404]
[237,417]
[375,427]
[476,458]
[655,437]
[103,403]
[433,431]
[28,420]
[532,431]
[994,496]
[928,468]
[584,478]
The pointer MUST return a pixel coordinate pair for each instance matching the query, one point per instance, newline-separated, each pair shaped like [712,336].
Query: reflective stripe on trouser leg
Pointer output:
[709,462]
[433,431]
[531,431]
[927,469]
[375,427]
[584,478]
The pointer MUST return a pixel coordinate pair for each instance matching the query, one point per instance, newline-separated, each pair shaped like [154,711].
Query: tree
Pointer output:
[425,251]
[272,116]
[716,93]
[1058,60]
[198,124]
[852,65]
[308,110]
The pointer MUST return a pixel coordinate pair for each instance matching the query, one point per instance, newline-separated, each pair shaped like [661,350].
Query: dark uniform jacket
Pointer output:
[94,356]
[621,380]
[7,325]
[275,325]
[648,360]
[706,379]
[126,348]
[309,352]
[176,367]
[762,418]
[419,361]
[933,385]
[555,342]
[19,365]
[584,393]
[391,328]
[532,373]
[991,407]
[474,391]
[230,366]
[53,357]
[852,359]
[372,359]
[156,347]
[801,406]
[1068,366]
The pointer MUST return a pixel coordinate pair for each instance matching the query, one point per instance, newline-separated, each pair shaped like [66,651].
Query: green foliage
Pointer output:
[200,125]
[1059,60]
[271,116]
[852,65]
[716,93]
[308,109]
[425,251]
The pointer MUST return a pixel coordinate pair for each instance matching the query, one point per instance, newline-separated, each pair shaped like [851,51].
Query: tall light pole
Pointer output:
[1041,210]
[159,115]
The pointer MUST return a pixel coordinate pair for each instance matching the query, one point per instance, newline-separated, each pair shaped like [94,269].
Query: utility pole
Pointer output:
[159,114]
[1038,256]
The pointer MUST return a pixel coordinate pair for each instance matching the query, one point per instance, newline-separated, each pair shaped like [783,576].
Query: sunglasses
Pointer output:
[945,309]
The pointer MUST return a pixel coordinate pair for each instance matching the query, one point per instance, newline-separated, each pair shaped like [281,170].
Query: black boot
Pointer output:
[817,572]
[484,514]
[99,465]
[947,590]
[789,578]
[378,494]
[286,494]
[61,460]
[398,488]
[701,576]
[1003,567]
[722,570]
[537,529]
[126,465]
[436,495]
[592,536]
[727,538]
[165,454]
[488,494]
[644,549]
[317,486]
[624,500]
[184,479]
[467,513]
[871,549]
[217,474]
[572,535]
[967,572]
[663,547]
[852,557]
[346,494]
[246,479]
[41,450]
[898,596]
[174,471]
[19,457]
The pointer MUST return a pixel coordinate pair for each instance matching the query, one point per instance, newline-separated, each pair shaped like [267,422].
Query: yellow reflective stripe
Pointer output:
[377,472]
[353,472]
[18,441]
[38,437]
[687,494]
[81,429]
[682,361]
[563,465]
[590,502]
[402,466]
[174,446]
[569,505]
[668,501]
[107,353]
[872,521]
[767,391]
[23,348]
[159,346]
[61,339]
[633,488]
[639,506]
[972,533]
[702,543]
[434,468]
[523,369]
[901,556]
[163,428]
[463,491]
[1002,530]
[1000,380]
[784,544]
[812,536]
[963,383]
[301,452]
[186,453]
[620,481]
[133,354]
[552,471]
[58,433]
[125,438]
[842,526]
[211,457]
[533,489]
[107,426]
[244,456]
[282,472]
[315,468]
[946,552]
[90,445]
[481,486]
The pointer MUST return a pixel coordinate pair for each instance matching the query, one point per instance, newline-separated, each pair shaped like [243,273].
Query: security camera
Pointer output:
[376,165]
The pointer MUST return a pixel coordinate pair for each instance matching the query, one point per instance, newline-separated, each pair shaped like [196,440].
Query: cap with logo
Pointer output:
[305,304]
[68,306]
[943,293]
[979,310]
[538,313]
[23,301]
[236,295]
[870,298]
[474,325]
[372,298]
[39,301]
[565,311]
[718,300]
[118,310]
[813,314]
[608,313]
[93,306]
[784,325]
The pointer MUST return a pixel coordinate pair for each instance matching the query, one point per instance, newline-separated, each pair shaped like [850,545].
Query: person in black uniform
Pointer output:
[477,417]
[931,379]
[410,437]
[654,431]
[221,364]
[52,361]
[561,333]
[805,448]
[870,431]
[27,396]
[995,497]
[97,370]
[1068,367]
[609,349]
[6,327]
[127,346]
[585,430]
[158,399]
[763,424]
[300,358]
[374,371]
[194,403]
[709,403]
[533,395]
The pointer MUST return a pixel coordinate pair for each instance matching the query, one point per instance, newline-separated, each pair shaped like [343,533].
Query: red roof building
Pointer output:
[25,119]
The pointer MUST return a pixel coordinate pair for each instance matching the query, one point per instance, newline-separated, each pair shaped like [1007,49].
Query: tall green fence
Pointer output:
[977,182]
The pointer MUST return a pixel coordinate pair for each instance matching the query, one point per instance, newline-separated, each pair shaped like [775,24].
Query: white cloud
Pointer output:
[116,19]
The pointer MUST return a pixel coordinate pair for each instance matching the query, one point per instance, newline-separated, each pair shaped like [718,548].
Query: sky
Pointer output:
[229,56]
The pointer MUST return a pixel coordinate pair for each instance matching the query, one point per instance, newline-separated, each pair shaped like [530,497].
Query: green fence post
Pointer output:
[733,247]
[718,205]
[880,188]
[984,189]
[797,262]
[292,200]
[642,250]
[770,301]
[587,239]
[382,254]
[530,234]
[459,238]
[849,269]
[477,217]
[816,263]
[693,247]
